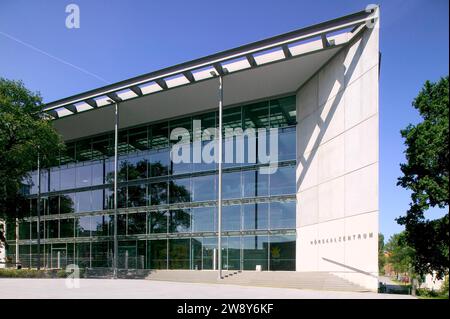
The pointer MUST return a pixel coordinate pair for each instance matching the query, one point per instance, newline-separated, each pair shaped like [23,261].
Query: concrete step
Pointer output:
[282,279]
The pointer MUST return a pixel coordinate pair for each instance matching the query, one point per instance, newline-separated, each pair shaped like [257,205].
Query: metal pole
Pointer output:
[17,241]
[219,204]
[38,207]
[116,137]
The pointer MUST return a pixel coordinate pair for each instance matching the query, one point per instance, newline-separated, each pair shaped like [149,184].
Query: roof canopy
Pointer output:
[267,68]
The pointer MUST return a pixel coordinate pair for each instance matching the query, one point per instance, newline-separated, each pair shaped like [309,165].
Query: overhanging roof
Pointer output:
[270,67]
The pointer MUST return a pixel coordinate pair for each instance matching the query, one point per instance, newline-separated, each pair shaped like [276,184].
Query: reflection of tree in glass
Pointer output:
[66,205]
[136,223]
[179,254]
[131,171]
[178,193]
[179,221]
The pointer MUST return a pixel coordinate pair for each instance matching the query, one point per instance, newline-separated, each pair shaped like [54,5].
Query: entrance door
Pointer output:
[209,253]
[58,258]
[127,256]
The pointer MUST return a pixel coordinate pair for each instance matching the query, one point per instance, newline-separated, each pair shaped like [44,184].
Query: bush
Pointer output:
[23,273]
[444,289]
[441,293]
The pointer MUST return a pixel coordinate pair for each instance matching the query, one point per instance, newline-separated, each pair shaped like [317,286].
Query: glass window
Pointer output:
[255,216]
[137,223]
[11,230]
[51,228]
[53,204]
[68,156]
[102,147]
[204,219]
[33,206]
[232,258]
[282,112]
[137,167]
[179,253]
[109,171]
[231,218]
[256,115]
[209,245]
[44,181]
[255,184]
[157,222]
[185,140]
[282,252]
[67,203]
[255,251]
[122,195]
[24,230]
[66,228]
[137,196]
[34,229]
[286,143]
[102,253]
[33,182]
[208,121]
[83,202]
[99,225]
[203,188]
[83,150]
[55,175]
[83,254]
[160,135]
[97,200]
[159,163]
[157,254]
[68,178]
[180,190]
[283,181]
[83,226]
[121,224]
[122,173]
[84,176]
[196,252]
[122,144]
[158,193]
[109,198]
[138,139]
[231,185]
[282,215]
[97,173]
[179,221]
[127,254]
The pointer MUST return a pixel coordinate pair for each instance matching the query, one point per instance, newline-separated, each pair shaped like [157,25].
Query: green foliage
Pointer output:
[23,273]
[401,255]
[34,273]
[426,175]
[24,132]
[381,257]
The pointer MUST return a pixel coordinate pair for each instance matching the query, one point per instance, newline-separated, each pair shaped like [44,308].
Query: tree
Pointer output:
[381,257]
[426,175]
[24,132]
[401,255]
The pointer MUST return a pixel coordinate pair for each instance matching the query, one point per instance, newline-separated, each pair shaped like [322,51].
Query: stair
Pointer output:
[279,279]
[106,273]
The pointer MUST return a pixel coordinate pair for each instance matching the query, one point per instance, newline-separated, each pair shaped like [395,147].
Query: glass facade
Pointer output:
[168,211]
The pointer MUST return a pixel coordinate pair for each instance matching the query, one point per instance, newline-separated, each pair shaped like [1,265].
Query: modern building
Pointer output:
[315,89]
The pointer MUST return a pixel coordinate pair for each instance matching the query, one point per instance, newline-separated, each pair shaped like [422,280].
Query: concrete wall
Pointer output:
[337,165]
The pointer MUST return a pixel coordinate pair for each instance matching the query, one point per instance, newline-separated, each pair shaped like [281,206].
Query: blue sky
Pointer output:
[121,39]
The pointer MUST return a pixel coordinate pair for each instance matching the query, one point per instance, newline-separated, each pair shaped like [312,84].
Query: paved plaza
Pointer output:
[134,289]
